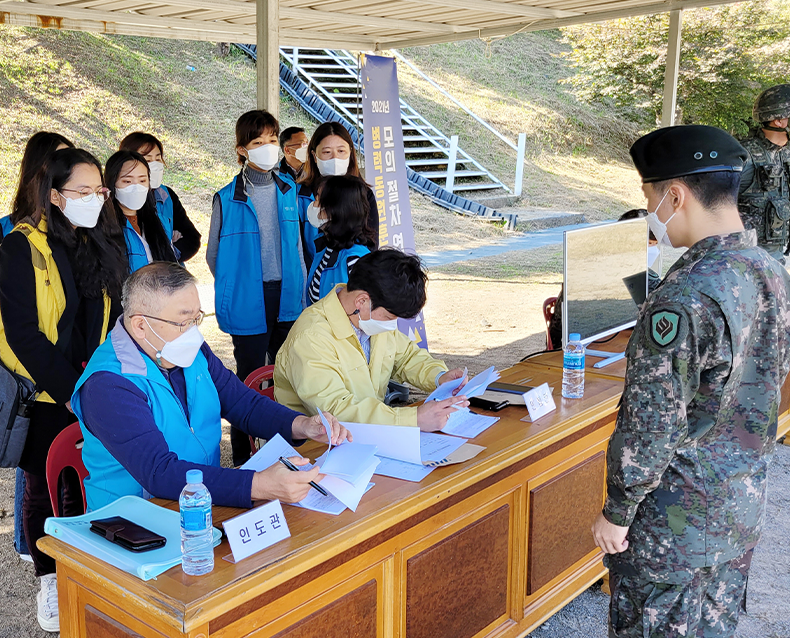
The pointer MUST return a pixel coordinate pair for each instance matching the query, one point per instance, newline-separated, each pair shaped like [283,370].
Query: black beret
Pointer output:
[676,151]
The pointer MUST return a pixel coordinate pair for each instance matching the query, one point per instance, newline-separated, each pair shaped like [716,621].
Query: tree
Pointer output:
[729,54]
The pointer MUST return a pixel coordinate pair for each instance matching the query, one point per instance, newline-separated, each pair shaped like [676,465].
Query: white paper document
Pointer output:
[468,424]
[402,470]
[445,390]
[435,447]
[404,443]
[478,384]
[317,502]
[270,454]
[345,492]
[347,461]
[349,493]
[393,441]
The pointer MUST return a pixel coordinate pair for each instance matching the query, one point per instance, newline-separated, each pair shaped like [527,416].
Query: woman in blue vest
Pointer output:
[255,253]
[331,153]
[342,218]
[182,232]
[37,151]
[127,178]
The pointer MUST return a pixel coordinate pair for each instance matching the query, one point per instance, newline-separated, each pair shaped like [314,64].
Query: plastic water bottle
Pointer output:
[573,368]
[197,533]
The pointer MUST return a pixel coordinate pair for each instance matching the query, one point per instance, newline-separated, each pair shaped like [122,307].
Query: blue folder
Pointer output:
[75,530]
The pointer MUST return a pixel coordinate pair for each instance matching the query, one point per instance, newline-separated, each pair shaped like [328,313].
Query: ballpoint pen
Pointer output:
[293,468]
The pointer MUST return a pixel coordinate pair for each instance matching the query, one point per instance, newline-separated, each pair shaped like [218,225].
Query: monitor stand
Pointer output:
[608,357]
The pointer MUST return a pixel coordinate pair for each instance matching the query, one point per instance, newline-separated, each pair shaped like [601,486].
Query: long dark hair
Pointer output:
[150,225]
[344,199]
[38,149]
[96,254]
[310,173]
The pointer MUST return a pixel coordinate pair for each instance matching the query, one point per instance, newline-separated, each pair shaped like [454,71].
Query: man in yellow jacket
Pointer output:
[342,351]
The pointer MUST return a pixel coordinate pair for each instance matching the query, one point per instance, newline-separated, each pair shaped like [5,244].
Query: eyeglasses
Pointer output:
[102,194]
[182,325]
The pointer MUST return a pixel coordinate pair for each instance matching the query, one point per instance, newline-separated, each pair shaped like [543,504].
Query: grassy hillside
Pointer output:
[577,154]
[94,89]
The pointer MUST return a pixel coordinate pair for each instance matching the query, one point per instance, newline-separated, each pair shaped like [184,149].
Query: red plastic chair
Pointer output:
[256,380]
[548,313]
[66,451]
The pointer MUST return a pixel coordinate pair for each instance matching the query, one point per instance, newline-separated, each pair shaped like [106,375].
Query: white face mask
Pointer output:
[653,253]
[132,196]
[373,326]
[182,350]
[334,166]
[83,214]
[312,216]
[658,227]
[301,154]
[157,170]
[264,157]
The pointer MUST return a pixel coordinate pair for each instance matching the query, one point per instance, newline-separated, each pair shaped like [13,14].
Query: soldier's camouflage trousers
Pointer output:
[707,607]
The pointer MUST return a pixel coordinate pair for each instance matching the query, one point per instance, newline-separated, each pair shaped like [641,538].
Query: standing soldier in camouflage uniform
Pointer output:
[697,423]
[764,199]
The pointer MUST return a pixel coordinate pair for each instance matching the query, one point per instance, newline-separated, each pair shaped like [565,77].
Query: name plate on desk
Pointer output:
[539,402]
[255,530]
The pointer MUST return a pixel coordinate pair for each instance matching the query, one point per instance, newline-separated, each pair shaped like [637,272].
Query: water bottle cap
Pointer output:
[574,336]
[194,476]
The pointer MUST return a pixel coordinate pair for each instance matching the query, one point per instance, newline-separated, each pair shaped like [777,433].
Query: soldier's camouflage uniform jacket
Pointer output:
[764,199]
[698,418]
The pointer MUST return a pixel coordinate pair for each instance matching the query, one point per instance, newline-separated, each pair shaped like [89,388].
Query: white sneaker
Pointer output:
[47,600]
[26,557]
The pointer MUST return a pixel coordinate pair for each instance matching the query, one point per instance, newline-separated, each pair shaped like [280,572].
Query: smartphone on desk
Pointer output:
[485,404]
[127,534]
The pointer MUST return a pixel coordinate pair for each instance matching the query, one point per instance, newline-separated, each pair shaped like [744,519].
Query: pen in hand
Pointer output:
[293,468]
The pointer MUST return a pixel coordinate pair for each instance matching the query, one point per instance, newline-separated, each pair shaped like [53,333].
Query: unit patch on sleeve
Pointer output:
[664,327]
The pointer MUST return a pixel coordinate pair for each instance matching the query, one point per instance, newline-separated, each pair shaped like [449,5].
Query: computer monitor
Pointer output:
[605,279]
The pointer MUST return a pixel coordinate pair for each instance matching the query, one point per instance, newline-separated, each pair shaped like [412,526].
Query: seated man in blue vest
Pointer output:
[151,400]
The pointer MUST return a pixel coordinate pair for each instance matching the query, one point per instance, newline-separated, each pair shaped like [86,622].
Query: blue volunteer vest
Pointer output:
[310,232]
[238,282]
[164,208]
[195,439]
[336,271]
[5,226]
[135,250]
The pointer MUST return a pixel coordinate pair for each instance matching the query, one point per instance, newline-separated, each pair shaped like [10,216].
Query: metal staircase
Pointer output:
[326,84]
[333,75]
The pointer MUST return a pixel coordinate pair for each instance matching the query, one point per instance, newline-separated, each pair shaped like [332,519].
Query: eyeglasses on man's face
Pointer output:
[182,325]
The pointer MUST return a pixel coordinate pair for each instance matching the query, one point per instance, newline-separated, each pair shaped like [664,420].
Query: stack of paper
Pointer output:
[409,454]
[464,422]
[75,530]
[468,424]
[348,468]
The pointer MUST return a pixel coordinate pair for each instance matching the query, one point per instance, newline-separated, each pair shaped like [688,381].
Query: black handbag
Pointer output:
[17,395]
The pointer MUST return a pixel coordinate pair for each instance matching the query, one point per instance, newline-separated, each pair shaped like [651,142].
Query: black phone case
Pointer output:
[127,534]
[485,404]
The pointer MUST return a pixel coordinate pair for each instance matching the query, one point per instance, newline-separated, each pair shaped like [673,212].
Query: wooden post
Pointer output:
[522,149]
[671,70]
[450,181]
[267,18]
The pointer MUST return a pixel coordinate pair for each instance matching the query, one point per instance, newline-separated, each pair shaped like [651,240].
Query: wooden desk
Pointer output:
[615,370]
[496,544]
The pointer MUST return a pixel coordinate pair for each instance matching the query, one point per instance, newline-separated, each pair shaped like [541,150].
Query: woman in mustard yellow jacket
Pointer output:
[61,272]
